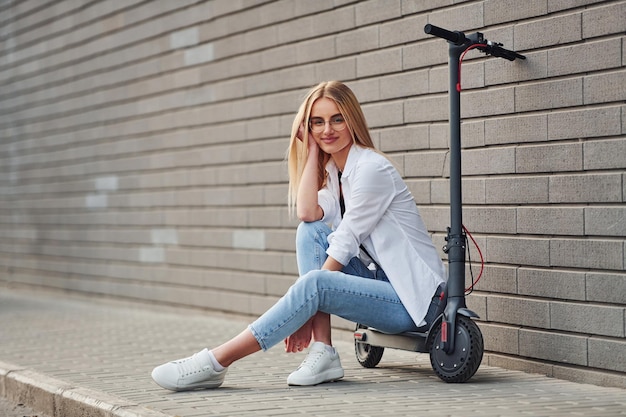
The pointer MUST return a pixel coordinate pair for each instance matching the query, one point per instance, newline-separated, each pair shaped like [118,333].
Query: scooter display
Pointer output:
[453,340]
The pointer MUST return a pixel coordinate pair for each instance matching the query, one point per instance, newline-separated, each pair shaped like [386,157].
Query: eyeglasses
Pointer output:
[317,124]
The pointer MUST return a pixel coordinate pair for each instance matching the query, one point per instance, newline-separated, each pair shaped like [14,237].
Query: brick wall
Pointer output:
[142,150]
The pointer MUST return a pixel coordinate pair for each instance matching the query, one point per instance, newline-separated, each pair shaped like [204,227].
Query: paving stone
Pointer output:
[101,354]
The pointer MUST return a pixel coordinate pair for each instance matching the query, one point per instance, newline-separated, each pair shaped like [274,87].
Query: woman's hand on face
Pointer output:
[313,146]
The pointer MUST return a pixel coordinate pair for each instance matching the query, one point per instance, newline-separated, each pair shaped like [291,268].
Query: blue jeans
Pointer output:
[356,293]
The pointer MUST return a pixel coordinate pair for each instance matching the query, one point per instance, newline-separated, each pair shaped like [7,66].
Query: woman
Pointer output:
[363,251]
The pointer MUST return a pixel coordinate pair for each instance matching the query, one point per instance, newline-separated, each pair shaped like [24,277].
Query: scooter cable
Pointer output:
[469,289]
[480,45]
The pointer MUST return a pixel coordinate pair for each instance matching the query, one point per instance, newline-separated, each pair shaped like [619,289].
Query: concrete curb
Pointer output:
[56,398]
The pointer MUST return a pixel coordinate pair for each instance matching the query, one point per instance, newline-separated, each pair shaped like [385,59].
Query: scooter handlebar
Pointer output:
[459,38]
[455,37]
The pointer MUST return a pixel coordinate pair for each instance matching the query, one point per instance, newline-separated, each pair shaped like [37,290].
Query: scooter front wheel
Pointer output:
[463,362]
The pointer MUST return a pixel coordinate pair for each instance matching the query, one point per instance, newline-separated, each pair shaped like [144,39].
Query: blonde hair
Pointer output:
[298,149]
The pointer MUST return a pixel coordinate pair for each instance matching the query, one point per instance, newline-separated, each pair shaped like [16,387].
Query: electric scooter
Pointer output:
[453,340]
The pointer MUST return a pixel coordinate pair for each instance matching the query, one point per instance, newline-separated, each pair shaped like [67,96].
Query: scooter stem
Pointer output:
[456,242]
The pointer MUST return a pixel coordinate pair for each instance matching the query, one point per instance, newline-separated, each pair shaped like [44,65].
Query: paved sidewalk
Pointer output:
[68,356]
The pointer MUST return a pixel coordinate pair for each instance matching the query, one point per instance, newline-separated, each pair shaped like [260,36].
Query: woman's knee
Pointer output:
[308,232]
[315,280]
[307,229]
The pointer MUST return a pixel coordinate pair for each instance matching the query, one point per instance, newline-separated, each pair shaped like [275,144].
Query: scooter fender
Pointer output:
[450,331]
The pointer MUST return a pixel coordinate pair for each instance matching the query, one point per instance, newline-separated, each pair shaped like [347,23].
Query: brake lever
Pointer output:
[495,49]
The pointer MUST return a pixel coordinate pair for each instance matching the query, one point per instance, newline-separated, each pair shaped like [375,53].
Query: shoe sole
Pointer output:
[330,375]
[191,387]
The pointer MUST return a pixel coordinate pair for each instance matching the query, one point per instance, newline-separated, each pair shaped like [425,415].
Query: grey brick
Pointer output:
[519,311]
[426,109]
[317,49]
[518,251]
[267,262]
[594,254]
[364,39]
[604,20]
[261,38]
[333,21]
[574,124]
[607,354]
[549,158]
[438,80]
[587,319]
[605,221]
[498,11]
[551,283]
[605,88]
[424,54]
[587,376]
[550,31]
[517,190]
[589,57]
[549,95]
[426,164]
[472,134]
[343,69]
[550,220]
[408,29]
[606,288]
[557,5]
[605,154]
[495,279]
[623,51]
[404,85]
[415,6]
[367,90]
[478,304]
[489,102]
[463,17]
[599,188]
[521,364]
[440,135]
[373,11]
[518,129]
[384,114]
[379,62]
[489,161]
[404,138]
[500,338]
[473,191]
[555,347]
[499,220]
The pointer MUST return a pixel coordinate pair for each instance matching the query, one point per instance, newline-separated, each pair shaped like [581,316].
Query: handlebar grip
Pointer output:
[454,37]
[500,52]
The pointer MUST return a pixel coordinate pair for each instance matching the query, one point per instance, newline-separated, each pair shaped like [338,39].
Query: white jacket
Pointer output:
[382,216]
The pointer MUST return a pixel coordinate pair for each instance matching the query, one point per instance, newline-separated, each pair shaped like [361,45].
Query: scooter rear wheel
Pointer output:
[461,364]
[367,355]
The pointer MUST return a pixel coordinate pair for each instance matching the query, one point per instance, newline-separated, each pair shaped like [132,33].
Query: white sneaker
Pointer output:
[190,373]
[319,366]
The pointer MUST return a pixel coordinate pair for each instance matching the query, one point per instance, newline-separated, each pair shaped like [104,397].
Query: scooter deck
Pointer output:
[410,341]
